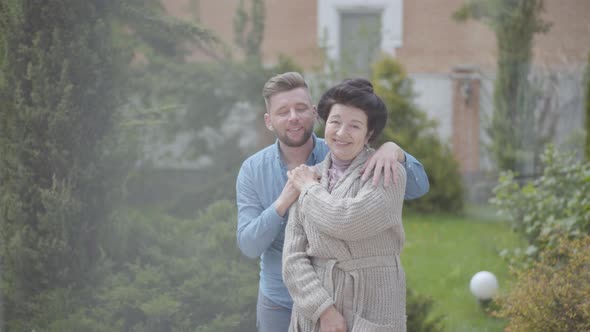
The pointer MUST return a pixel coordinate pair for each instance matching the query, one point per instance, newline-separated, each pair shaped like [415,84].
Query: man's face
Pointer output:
[290,115]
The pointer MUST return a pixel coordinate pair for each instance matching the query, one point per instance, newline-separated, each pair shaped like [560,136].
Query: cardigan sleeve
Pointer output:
[370,212]
[309,295]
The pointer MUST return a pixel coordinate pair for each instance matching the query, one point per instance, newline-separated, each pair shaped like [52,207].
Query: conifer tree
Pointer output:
[587,82]
[62,75]
[515,24]
[59,92]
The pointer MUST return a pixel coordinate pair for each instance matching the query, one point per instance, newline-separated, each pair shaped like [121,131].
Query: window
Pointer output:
[342,22]
[360,41]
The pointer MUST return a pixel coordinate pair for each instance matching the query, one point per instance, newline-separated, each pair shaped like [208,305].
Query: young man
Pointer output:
[264,193]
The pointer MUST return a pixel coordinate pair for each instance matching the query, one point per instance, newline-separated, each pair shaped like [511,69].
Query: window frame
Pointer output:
[329,23]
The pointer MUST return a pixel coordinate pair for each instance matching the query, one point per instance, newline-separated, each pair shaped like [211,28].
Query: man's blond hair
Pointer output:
[281,83]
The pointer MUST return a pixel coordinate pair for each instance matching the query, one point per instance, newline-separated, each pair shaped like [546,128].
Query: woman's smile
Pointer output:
[346,131]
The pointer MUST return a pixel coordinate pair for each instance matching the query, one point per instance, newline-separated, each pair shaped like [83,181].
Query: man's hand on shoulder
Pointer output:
[384,162]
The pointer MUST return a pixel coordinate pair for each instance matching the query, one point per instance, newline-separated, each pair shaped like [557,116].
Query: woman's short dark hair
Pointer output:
[357,93]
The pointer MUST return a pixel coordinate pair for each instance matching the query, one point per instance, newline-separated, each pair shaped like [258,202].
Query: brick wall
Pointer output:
[432,41]
[290,26]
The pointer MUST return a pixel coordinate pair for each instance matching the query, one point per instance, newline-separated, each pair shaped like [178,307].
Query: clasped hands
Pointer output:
[302,175]
[297,178]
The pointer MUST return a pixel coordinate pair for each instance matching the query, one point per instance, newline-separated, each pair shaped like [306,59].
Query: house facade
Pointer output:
[452,64]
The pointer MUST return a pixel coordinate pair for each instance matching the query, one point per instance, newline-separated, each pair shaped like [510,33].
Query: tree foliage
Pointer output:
[58,176]
[143,26]
[587,82]
[410,127]
[63,156]
[515,24]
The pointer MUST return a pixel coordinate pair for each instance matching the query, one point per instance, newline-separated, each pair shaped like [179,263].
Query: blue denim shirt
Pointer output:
[261,230]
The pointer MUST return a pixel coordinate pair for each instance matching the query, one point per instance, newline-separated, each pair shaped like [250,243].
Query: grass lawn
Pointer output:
[443,252]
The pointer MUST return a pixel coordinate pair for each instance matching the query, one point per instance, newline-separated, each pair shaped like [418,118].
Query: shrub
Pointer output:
[170,274]
[410,128]
[556,203]
[553,295]
[419,310]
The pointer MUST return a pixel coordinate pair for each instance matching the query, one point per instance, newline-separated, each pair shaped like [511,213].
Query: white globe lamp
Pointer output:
[484,285]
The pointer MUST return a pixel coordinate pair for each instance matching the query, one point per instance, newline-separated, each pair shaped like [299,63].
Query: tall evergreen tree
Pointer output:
[515,24]
[61,89]
[59,93]
[587,82]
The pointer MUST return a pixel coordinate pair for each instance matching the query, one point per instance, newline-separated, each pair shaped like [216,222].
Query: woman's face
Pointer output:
[346,131]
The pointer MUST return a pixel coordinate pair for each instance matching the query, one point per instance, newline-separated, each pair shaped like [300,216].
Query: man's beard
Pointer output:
[295,144]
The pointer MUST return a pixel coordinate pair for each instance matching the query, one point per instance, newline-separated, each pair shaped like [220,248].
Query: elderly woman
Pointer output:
[344,235]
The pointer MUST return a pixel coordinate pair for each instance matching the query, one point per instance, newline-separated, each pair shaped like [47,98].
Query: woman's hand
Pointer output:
[332,321]
[302,175]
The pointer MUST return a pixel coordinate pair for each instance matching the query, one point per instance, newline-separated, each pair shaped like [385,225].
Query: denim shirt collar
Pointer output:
[311,160]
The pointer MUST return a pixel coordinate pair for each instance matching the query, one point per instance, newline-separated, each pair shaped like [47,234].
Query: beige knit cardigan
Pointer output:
[342,248]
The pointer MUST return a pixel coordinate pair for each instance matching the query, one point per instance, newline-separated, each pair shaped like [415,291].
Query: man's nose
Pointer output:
[293,115]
